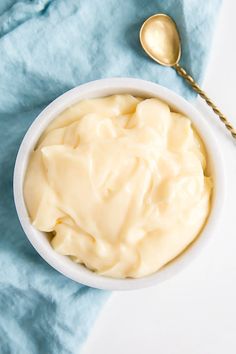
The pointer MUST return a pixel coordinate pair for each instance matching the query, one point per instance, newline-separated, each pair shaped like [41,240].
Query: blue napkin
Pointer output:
[46,48]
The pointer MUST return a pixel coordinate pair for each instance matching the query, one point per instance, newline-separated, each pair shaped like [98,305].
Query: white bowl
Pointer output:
[101,88]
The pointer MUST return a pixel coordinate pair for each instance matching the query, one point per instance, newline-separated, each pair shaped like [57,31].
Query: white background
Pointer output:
[195,312]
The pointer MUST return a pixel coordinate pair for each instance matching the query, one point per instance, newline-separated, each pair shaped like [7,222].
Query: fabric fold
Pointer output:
[21,12]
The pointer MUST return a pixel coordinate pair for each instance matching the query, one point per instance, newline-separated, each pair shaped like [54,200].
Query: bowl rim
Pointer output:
[79,273]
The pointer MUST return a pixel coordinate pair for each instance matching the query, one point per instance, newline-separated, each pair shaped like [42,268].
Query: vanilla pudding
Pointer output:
[120,184]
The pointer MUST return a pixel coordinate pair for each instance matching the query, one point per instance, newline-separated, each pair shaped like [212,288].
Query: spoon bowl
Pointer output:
[160,39]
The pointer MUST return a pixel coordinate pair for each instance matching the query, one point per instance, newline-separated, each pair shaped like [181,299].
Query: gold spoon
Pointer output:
[161,41]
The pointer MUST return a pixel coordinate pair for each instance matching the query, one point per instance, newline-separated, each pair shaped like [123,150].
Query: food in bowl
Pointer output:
[120,184]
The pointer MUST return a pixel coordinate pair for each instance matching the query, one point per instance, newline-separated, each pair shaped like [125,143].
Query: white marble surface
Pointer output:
[195,312]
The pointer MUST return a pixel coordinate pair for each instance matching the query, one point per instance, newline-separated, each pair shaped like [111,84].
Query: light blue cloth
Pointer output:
[46,48]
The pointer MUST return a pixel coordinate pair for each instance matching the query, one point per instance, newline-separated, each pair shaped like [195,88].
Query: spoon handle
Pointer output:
[198,89]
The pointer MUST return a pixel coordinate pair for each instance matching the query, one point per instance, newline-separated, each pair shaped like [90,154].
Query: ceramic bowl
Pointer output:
[100,88]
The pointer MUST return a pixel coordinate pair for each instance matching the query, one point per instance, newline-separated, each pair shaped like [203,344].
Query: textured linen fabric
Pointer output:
[46,48]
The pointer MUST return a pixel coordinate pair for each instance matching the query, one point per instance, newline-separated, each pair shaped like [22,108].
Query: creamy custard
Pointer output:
[120,183]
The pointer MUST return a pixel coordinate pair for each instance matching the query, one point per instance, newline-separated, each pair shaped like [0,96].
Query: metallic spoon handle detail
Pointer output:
[197,88]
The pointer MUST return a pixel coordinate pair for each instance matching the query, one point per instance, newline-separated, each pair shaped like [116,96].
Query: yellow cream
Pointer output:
[121,183]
